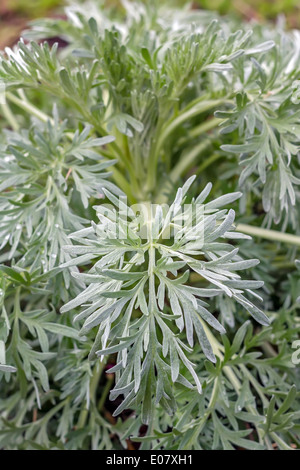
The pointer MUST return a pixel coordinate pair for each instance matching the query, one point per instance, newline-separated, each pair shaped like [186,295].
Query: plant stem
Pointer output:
[269,234]
[123,184]
[283,445]
[30,108]
[105,393]
[98,370]
[204,127]
[152,294]
[9,116]
[187,160]
[182,166]
[198,107]
[208,162]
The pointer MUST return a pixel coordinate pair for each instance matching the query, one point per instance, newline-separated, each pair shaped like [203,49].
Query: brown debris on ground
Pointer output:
[11,25]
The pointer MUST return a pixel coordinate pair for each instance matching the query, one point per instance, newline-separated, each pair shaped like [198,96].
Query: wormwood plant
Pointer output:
[127,283]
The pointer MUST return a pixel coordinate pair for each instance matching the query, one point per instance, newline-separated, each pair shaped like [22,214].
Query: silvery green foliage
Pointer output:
[133,278]
[40,168]
[252,81]
[256,76]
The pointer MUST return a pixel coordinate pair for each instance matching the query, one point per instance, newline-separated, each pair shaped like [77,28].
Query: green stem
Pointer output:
[16,313]
[272,235]
[105,393]
[255,384]
[188,159]
[30,108]
[98,369]
[198,107]
[283,445]
[152,293]
[123,184]
[203,128]
[268,349]
[9,116]
[194,109]
[284,265]
[182,166]
[53,411]
[208,162]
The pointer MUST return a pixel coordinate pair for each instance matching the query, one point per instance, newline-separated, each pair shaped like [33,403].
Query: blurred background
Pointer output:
[15,14]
